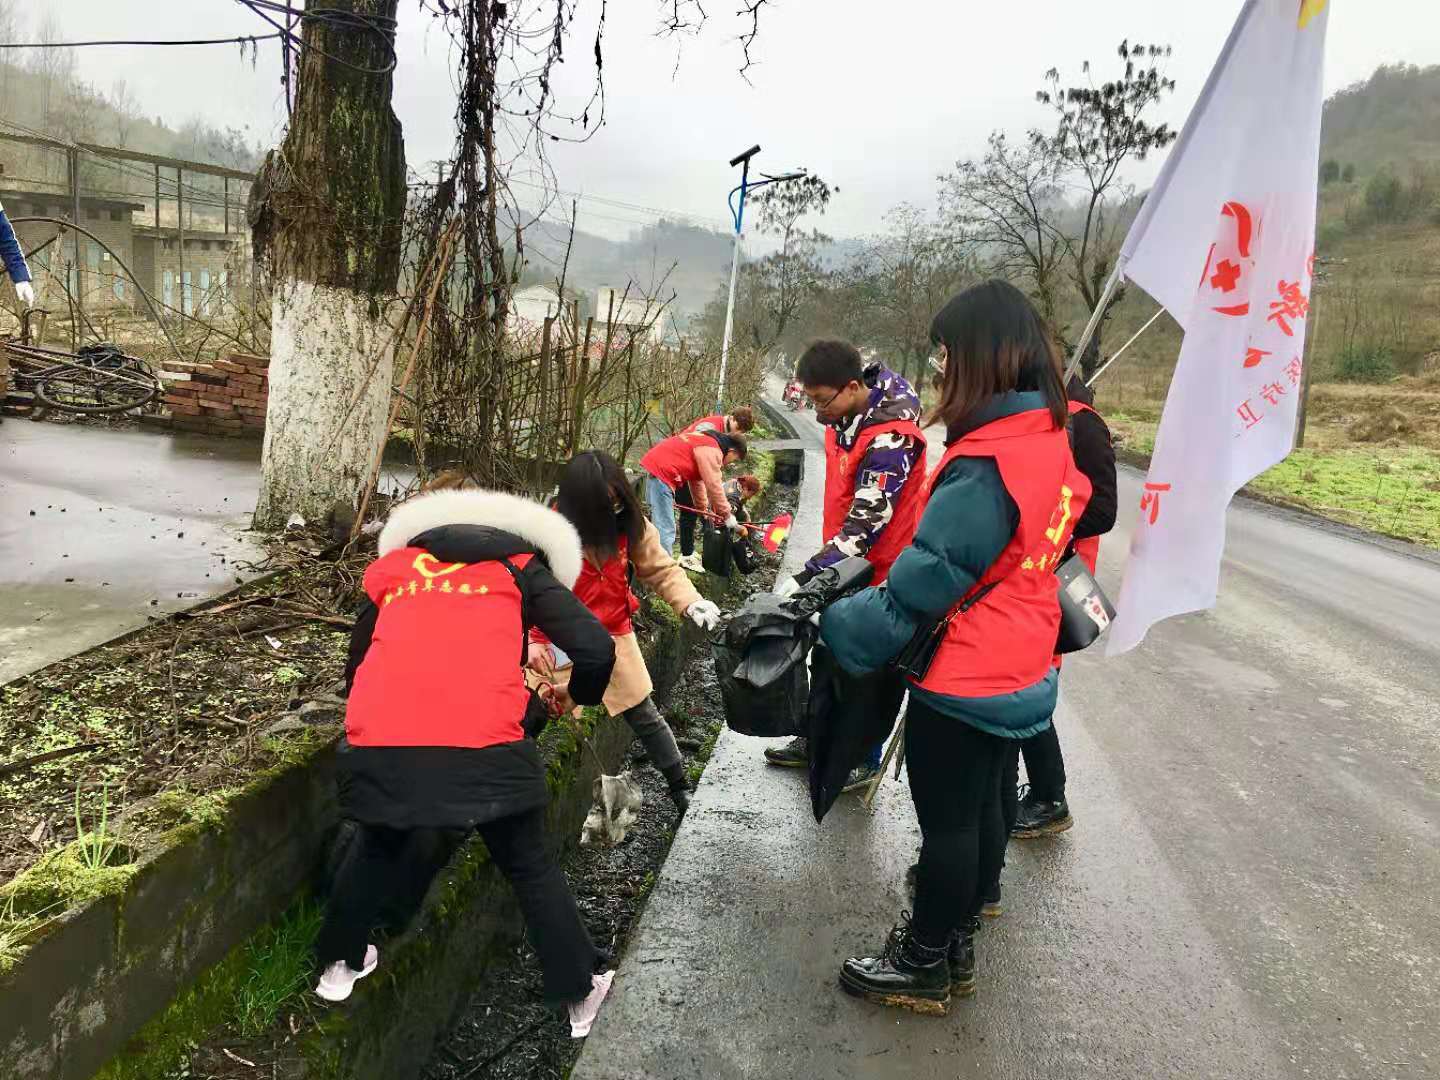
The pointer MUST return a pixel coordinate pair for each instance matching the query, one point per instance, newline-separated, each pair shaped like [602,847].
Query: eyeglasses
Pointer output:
[822,406]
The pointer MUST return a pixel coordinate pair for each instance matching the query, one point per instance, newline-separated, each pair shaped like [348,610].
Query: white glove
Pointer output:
[732,523]
[787,587]
[704,614]
[26,292]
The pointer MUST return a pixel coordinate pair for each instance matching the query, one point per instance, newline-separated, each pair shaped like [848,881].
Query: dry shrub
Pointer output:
[1382,425]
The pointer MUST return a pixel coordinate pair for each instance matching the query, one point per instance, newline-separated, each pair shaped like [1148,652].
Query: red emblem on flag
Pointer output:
[776,532]
[1151,500]
[1225,284]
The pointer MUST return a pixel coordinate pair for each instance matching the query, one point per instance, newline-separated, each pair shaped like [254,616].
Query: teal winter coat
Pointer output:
[966,524]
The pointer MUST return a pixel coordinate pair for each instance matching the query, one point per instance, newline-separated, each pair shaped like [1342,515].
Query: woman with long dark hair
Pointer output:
[979,575]
[596,497]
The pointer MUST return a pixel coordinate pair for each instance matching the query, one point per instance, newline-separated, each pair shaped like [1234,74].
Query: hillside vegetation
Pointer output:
[1372,446]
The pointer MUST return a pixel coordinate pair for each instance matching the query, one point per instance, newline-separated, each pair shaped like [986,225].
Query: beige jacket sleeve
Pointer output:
[660,573]
[712,480]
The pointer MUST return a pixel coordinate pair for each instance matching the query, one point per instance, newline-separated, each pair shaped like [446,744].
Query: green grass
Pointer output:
[16,930]
[278,967]
[1395,492]
[242,994]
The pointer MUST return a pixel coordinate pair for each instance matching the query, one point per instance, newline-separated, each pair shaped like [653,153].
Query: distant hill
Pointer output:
[700,257]
[1392,118]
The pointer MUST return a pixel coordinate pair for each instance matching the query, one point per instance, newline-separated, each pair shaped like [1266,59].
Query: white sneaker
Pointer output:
[583,1013]
[692,563]
[337,980]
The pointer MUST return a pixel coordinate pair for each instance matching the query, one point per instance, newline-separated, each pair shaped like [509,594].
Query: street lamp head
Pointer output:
[746,156]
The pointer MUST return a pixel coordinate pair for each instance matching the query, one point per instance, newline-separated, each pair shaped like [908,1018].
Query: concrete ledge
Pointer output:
[100,972]
[82,996]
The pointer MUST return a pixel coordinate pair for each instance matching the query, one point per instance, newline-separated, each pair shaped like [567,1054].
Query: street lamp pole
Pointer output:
[743,160]
[737,211]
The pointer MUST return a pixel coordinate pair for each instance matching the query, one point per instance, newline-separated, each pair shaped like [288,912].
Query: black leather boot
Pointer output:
[1041,817]
[908,974]
[962,959]
[679,786]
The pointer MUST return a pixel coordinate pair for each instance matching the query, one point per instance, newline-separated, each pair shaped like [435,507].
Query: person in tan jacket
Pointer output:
[615,535]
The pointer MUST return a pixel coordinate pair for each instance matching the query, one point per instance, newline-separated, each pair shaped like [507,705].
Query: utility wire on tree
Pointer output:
[325,212]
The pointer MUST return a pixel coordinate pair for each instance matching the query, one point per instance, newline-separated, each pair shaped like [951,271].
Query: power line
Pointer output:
[249,39]
[659,212]
[382,27]
[125,167]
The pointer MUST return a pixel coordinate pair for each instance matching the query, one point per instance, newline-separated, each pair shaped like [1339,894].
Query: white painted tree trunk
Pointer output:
[331,366]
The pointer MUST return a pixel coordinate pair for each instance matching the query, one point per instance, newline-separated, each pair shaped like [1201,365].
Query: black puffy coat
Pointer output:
[460,787]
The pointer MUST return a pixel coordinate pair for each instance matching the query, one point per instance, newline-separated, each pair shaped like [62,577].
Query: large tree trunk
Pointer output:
[328,215]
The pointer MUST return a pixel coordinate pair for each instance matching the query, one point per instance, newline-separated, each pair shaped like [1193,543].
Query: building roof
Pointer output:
[170,232]
[538,292]
[19,194]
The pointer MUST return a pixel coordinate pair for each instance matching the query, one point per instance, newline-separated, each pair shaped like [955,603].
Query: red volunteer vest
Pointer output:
[1006,641]
[1089,548]
[605,590]
[716,422]
[841,482]
[443,668]
[672,460]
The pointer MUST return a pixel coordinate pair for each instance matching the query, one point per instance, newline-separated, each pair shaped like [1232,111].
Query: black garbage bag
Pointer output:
[715,550]
[760,652]
[760,662]
[847,715]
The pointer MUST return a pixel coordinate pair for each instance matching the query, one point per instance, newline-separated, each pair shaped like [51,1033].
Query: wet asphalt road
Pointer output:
[102,529]
[1251,889]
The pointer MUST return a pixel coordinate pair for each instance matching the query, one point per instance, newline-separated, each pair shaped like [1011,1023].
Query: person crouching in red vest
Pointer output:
[738,421]
[694,460]
[435,726]
[597,499]
[997,518]
[874,484]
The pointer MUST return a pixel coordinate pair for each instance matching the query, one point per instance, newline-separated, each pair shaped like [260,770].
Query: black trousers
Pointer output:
[1045,765]
[685,506]
[955,781]
[391,869]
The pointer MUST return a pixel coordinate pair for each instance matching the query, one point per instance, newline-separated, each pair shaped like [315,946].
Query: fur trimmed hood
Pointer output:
[551,534]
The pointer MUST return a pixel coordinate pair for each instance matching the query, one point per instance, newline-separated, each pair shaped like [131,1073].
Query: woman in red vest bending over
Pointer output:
[738,422]
[597,499]
[436,740]
[694,460]
[998,513]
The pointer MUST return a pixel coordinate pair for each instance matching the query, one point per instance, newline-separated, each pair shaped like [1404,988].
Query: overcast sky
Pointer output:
[876,98]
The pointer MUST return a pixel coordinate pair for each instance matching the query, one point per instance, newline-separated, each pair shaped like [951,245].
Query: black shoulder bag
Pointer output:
[1085,610]
[919,652]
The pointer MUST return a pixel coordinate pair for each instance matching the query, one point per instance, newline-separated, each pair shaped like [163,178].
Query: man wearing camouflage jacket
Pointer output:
[874,479]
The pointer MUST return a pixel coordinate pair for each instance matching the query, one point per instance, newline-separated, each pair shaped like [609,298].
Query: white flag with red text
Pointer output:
[1225,241]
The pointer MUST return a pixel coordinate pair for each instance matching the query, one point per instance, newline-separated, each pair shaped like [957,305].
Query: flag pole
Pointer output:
[1116,276]
[1118,352]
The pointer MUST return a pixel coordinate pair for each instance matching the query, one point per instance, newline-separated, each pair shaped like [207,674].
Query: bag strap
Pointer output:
[967,602]
[524,610]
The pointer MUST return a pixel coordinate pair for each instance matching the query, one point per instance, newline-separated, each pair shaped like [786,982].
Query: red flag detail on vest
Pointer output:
[1225,241]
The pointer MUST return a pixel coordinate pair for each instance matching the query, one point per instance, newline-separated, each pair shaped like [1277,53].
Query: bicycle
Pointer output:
[98,380]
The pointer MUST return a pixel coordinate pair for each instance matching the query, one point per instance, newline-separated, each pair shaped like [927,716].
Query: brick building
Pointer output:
[178,225]
[212,262]
[109,219]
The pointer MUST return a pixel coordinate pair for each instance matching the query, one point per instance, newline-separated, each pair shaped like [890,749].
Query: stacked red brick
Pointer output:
[226,397]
